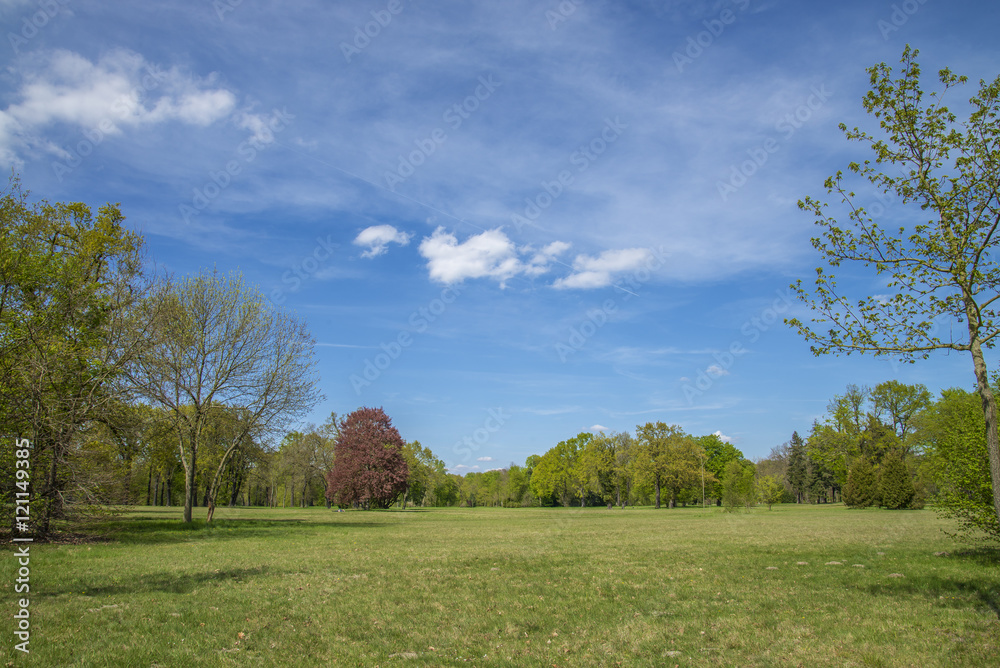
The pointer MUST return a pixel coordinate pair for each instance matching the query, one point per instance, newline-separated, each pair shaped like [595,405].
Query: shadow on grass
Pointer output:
[157,531]
[171,583]
[943,591]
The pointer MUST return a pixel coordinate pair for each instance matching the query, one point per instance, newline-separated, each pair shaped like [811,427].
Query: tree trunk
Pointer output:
[990,415]
[657,481]
[149,486]
[189,491]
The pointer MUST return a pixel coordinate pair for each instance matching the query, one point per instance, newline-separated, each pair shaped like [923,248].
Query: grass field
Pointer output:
[497,587]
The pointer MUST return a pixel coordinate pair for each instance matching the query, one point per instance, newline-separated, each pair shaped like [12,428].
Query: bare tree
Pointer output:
[219,342]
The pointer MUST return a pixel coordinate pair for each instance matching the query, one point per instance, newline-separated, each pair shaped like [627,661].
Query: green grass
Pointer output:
[514,587]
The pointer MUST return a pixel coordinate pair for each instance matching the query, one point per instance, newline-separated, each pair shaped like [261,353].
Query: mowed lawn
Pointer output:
[638,587]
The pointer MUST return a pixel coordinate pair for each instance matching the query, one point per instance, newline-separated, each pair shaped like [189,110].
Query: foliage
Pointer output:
[739,486]
[370,469]
[772,490]
[669,458]
[562,473]
[69,285]
[798,467]
[718,454]
[862,488]
[936,272]
[895,487]
[953,433]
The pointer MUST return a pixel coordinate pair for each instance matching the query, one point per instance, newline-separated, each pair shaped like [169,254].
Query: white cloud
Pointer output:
[716,371]
[598,427]
[120,90]
[487,255]
[484,459]
[598,272]
[463,467]
[723,437]
[540,261]
[378,237]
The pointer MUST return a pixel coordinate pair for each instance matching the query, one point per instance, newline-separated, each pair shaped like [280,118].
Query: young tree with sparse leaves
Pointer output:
[941,269]
[219,342]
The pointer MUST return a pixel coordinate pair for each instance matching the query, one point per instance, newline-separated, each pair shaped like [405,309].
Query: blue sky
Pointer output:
[505,223]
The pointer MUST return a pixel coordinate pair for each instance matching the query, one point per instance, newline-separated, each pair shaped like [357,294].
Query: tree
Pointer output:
[369,469]
[900,403]
[771,490]
[219,342]
[954,435]
[718,454]
[738,485]
[942,271]
[561,472]
[861,490]
[895,486]
[668,458]
[798,467]
[69,286]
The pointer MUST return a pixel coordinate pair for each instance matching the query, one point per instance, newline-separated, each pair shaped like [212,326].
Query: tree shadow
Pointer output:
[147,531]
[942,590]
[167,582]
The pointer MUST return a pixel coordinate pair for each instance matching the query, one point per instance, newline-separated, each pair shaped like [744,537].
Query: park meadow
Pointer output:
[809,585]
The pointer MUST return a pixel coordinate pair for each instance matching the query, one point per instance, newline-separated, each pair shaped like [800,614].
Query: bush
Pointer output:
[861,490]
[895,485]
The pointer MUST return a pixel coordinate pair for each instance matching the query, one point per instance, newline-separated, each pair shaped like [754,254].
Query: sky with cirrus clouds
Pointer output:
[512,222]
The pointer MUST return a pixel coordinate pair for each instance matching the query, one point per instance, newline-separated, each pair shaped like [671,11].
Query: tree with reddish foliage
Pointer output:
[369,468]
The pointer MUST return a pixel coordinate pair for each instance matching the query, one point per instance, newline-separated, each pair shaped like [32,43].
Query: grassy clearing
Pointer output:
[515,587]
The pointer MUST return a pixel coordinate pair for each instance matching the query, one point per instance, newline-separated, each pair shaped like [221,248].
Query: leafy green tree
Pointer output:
[941,271]
[739,487]
[562,473]
[895,486]
[897,405]
[70,283]
[953,433]
[861,490]
[772,490]
[718,454]
[669,458]
[603,466]
[878,440]
[830,453]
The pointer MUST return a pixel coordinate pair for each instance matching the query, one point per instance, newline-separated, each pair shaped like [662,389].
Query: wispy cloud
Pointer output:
[597,272]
